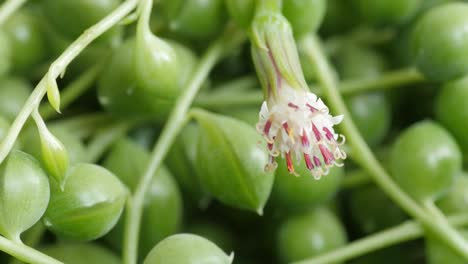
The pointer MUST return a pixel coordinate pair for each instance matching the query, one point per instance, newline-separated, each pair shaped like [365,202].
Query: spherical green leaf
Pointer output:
[120,94]
[181,161]
[81,253]
[425,160]
[187,249]
[456,200]
[24,194]
[231,163]
[442,56]
[241,11]
[372,210]
[309,234]
[387,12]
[71,18]
[89,204]
[305,16]
[290,192]
[5,53]
[451,111]
[197,19]
[28,44]
[13,94]
[156,66]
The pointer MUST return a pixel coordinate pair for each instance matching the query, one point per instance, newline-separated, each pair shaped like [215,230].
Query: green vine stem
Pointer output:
[58,67]
[175,122]
[73,90]
[404,232]
[8,8]
[366,159]
[392,79]
[25,253]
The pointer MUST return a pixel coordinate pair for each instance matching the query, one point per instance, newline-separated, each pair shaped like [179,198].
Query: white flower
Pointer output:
[297,124]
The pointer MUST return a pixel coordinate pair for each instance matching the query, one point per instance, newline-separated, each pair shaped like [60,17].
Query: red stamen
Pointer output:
[317,161]
[304,139]
[278,74]
[326,154]
[293,106]
[289,162]
[308,162]
[328,134]
[311,108]
[316,132]
[270,146]
[267,127]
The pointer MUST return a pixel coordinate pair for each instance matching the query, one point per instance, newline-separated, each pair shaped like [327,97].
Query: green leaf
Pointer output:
[24,194]
[186,248]
[230,162]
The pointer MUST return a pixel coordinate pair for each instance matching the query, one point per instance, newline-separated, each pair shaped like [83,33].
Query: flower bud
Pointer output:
[294,122]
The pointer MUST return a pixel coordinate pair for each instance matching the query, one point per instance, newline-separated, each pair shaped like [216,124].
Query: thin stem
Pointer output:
[364,156]
[25,253]
[8,8]
[388,80]
[73,90]
[174,124]
[404,232]
[59,66]
[105,138]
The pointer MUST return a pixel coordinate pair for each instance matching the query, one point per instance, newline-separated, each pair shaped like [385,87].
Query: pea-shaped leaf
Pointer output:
[89,204]
[5,53]
[241,11]
[187,249]
[13,94]
[309,234]
[456,201]
[231,163]
[372,210]
[304,191]
[215,232]
[425,160]
[120,92]
[181,161]
[160,67]
[162,213]
[81,253]
[24,194]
